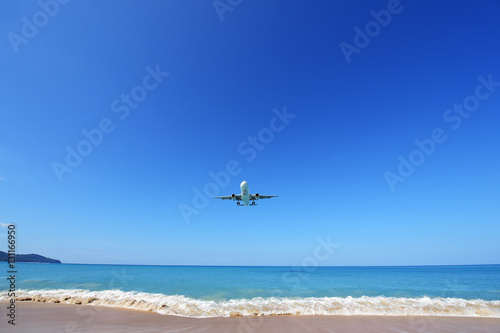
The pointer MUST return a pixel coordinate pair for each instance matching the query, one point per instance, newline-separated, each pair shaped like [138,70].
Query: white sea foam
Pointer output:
[189,307]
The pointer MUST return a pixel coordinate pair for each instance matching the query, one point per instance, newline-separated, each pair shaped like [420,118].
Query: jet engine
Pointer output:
[233,196]
[257,195]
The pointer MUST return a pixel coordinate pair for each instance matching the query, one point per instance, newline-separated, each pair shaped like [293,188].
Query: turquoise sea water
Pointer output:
[221,291]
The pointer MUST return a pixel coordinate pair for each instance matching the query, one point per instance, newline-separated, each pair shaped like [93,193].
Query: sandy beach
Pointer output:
[48,317]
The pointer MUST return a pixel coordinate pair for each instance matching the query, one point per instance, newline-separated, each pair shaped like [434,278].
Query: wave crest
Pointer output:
[179,305]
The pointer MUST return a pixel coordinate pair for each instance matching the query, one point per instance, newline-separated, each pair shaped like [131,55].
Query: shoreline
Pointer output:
[179,305]
[59,317]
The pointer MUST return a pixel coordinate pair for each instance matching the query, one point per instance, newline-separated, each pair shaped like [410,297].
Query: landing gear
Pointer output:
[238,203]
[253,203]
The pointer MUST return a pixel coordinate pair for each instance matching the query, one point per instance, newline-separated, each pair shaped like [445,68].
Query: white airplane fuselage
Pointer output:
[245,194]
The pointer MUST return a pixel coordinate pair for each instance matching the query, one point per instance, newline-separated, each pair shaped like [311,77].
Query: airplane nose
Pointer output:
[244,184]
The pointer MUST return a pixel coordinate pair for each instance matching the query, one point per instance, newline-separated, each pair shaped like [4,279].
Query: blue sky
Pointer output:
[353,117]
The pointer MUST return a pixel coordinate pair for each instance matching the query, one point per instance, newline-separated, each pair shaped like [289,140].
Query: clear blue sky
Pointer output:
[120,203]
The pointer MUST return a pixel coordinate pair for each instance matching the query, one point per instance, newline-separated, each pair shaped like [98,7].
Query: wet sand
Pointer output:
[48,317]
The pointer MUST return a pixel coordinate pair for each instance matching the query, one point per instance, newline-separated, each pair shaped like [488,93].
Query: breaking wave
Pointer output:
[189,307]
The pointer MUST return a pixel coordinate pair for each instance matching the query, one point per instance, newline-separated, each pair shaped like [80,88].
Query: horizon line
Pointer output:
[180,265]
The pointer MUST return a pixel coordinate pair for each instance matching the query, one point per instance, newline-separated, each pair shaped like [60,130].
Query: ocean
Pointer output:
[222,291]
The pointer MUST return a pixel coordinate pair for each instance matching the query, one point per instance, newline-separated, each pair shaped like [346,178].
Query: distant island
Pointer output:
[29,258]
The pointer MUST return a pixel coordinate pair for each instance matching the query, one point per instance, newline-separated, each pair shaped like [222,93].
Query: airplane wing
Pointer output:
[254,196]
[230,197]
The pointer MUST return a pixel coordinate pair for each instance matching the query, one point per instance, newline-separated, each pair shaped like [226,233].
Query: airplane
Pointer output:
[245,196]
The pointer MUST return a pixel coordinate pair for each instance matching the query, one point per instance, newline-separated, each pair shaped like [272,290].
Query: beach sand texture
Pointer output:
[47,317]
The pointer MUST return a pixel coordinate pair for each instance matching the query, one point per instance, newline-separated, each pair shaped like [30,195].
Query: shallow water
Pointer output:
[201,291]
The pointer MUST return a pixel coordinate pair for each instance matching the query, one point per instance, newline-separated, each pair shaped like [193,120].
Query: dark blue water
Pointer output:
[198,291]
[202,282]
